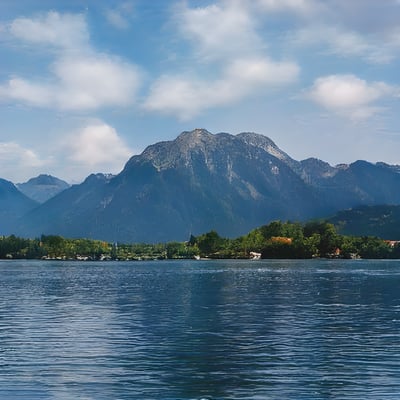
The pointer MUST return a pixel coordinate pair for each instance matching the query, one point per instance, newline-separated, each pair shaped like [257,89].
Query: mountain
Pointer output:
[42,188]
[195,183]
[382,221]
[13,205]
[201,181]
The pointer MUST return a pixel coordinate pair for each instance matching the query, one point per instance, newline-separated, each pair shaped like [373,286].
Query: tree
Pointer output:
[209,243]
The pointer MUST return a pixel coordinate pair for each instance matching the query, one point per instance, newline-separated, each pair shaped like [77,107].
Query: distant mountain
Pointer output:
[382,221]
[13,205]
[42,188]
[201,181]
[195,183]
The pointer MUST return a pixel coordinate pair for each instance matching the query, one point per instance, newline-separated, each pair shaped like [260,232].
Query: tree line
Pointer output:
[275,240]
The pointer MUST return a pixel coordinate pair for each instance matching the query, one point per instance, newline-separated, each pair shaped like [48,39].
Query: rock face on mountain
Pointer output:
[13,205]
[42,188]
[201,181]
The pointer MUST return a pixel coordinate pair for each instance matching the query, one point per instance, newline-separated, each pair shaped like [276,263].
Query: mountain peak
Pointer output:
[42,187]
[44,179]
[194,138]
[202,181]
[200,144]
[195,133]
[99,177]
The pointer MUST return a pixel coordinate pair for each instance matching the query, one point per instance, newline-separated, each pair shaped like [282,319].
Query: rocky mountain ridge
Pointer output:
[202,181]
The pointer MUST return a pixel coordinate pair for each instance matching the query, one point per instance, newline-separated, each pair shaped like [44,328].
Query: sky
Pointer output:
[86,84]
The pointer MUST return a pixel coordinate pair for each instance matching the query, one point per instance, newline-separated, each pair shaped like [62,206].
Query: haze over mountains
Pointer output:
[198,182]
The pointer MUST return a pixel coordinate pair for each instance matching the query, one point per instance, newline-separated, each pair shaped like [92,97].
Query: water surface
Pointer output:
[200,330]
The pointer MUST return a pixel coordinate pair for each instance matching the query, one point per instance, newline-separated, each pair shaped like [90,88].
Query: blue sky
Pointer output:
[84,85]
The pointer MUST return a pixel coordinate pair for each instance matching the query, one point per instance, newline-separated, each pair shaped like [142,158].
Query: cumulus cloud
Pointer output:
[233,62]
[95,147]
[349,95]
[84,80]
[84,83]
[219,30]
[15,159]
[35,94]
[98,146]
[92,82]
[187,97]
[67,31]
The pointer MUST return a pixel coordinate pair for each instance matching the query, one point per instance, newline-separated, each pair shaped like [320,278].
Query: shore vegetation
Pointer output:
[275,240]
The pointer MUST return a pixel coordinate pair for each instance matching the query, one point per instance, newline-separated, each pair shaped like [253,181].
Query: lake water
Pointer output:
[200,330]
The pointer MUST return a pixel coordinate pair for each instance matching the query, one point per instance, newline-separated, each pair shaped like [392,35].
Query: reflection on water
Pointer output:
[200,330]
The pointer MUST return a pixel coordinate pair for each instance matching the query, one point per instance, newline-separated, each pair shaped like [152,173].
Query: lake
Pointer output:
[314,329]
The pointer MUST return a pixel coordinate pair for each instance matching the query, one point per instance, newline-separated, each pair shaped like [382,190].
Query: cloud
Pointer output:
[116,19]
[67,31]
[348,95]
[219,30]
[97,146]
[84,83]
[119,17]
[79,80]
[342,42]
[15,158]
[187,97]
[93,82]
[298,6]
[230,65]
[35,94]
[368,30]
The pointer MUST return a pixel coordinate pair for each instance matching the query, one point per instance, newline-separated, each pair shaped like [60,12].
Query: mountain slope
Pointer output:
[71,213]
[382,221]
[201,181]
[42,188]
[193,184]
[13,205]
[360,183]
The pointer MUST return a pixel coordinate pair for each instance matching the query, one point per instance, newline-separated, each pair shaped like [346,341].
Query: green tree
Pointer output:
[209,243]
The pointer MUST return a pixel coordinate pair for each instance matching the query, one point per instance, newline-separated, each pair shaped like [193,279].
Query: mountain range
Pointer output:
[202,181]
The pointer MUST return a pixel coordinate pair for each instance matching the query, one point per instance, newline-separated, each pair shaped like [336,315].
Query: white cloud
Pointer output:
[82,80]
[66,31]
[298,6]
[219,30]
[231,62]
[16,160]
[349,95]
[119,17]
[84,83]
[95,147]
[98,147]
[187,97]
[35,94]
[92,82]
[116,19]
[253,72]
[342,42]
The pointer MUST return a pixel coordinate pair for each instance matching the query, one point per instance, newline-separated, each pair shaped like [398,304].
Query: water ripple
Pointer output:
[200,330]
